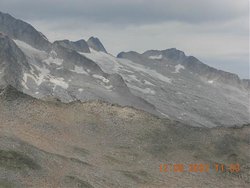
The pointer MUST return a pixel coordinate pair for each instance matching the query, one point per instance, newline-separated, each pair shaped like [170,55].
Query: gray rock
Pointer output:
[80,45]
[17,29]
[96,44]
[13,63]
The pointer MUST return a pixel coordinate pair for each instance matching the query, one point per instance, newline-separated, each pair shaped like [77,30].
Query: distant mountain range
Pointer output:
[166,83]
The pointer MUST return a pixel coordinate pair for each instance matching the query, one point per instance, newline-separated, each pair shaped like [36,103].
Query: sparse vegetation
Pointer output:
[95,144]
[6,184]
[16,161]
[76,182]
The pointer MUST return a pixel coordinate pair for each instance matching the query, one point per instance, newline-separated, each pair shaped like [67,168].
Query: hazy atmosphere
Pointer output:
[217,32]
[124,93]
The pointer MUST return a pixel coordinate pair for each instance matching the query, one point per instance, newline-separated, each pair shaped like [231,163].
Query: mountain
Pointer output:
[73,115]
[96,44]
[19,30]
[166,83]
[13,63]
[181,87]
[58,72]
[174,57]
[80,45]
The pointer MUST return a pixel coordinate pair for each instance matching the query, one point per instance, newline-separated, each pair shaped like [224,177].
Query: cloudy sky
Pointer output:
[215,31]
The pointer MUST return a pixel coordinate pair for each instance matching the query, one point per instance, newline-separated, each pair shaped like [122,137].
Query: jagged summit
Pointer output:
[96,44]
[80,45]
[20,30]
[123,54]
[172,53]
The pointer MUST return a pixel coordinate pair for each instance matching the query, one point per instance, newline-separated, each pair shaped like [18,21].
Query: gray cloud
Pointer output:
[129,11]
[216,31]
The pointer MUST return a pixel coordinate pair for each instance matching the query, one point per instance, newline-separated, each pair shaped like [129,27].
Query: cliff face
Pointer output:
[80,45]
[96,44]
[13,63]
[17,29]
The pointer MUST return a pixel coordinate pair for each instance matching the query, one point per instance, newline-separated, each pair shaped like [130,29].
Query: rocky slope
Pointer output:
[80,45]
[98,145]
[181,88]
[20,30]
[96,44]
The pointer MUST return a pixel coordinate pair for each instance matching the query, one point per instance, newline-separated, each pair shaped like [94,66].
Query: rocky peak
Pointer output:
[128,54]
[13,63]
[20,30]
[171,54]
[96,44]
[80,45]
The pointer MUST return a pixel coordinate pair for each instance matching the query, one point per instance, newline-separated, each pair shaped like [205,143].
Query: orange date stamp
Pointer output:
[200,168]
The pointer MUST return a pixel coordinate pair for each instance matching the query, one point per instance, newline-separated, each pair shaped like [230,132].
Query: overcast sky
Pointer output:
[215,31]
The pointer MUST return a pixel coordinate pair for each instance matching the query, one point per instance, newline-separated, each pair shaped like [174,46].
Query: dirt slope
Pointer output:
[95,144]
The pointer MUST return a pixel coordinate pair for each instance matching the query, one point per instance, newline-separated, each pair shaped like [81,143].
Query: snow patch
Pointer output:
[210,81]
[29,50]
[52,60]
[37,78]
[165,115]
[178,68]
[148,83]
[105,80]
[132,77]
[43,76]
[59,82]
[108,87]
[79,70]
[155,57]
[150,72]
[145,91]
[107,62]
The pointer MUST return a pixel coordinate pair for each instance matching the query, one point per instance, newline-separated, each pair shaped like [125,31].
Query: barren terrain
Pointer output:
[95,144]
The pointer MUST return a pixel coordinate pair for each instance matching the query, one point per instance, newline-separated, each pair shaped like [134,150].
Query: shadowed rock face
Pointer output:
[96,44]
[17,29]
[96,144]
[13,63]
[80,45]
[246,82]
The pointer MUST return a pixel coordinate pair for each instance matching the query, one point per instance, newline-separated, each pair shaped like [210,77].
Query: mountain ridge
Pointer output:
[166,83]
[192,63]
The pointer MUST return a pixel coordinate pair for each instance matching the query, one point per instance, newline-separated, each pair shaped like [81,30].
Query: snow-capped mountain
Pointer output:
[194,94]
[166,83]
[57,70]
